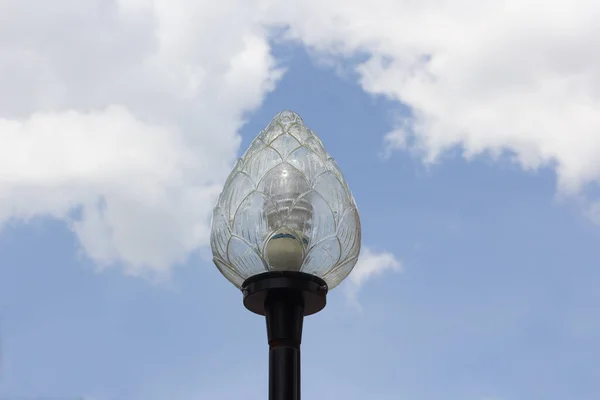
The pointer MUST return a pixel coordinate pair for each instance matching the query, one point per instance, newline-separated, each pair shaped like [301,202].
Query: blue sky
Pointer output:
[496,297]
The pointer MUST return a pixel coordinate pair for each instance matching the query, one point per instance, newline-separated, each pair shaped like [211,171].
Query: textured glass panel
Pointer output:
[334,192]
[322,257]
[300,132]
[228,271]
[285,144]
[348,231]
[307,162]
[340,272]
[320,142]
[320,222]
[272,130]
[255,147]
[332,166]
[220,234]
[243,257]
[231,198]
[236,168]
[250,221]
[286,206]
[261,162]
[315,146]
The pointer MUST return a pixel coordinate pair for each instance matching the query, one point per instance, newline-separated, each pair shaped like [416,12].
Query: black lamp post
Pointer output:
[285,231]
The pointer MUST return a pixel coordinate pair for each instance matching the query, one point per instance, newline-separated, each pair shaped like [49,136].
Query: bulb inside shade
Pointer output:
[289,216]
[284,252]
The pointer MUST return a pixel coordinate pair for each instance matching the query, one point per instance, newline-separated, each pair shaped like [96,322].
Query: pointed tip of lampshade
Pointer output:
[288,117]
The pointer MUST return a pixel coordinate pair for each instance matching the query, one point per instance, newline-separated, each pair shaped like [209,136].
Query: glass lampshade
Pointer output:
[286,207]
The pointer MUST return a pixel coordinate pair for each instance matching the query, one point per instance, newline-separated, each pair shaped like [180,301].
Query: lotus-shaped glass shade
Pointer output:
[286,207]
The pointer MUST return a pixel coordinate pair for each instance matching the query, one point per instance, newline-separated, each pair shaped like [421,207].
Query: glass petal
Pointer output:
[272,130]
[333,167]
[333,191]
[250,221]
[285,144]
[322,257]
[318,139]
[229,272]
[307,162]
[348,231]
[261,162]
[300,132]
[237,189]
[320,223]
[317,147]
[236,168]
[255,147]
[244,258]
[339,273]
[220,233]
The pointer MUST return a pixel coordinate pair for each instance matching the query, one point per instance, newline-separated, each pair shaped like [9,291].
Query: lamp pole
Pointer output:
[284,298]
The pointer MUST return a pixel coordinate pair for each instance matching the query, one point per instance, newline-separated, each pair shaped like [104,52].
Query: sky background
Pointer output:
[469,133]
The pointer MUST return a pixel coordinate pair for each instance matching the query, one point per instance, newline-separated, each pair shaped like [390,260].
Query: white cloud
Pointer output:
[120,117]
[129,178]
[370,264]
[513,76]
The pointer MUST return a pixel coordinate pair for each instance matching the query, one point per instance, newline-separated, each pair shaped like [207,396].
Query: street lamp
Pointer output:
[285,230]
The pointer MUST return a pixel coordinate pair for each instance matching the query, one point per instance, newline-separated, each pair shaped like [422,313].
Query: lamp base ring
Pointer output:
[312,288]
